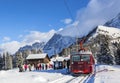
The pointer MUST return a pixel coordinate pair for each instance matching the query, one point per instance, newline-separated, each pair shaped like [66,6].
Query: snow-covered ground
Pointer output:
[111,75]
[105,74]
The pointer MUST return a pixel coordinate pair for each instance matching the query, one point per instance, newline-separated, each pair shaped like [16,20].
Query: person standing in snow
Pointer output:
[40,66]
[20,68]
[68,64]
[46,66]
[25,67]
[29,66]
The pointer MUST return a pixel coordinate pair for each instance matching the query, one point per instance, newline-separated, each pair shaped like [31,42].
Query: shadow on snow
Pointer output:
[62,71]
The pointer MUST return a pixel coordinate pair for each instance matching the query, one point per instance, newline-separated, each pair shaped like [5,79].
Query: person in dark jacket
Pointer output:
[68,65]
[20,68]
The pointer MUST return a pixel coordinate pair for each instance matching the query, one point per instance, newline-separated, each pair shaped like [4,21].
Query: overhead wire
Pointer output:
[70,13]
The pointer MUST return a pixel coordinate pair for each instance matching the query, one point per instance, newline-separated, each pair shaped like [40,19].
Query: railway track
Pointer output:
[71,79]
[64,79]
[80,79]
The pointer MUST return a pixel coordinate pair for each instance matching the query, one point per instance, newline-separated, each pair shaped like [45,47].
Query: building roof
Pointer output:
[82,52]
[57,59]
[37,56]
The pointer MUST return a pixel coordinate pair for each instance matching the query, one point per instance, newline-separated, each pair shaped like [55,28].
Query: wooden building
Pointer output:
[38,58]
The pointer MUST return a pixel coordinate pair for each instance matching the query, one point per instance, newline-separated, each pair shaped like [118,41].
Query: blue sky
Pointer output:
[21,16]
[23,22]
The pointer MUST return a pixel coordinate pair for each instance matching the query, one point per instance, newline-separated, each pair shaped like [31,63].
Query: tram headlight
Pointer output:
[72,62]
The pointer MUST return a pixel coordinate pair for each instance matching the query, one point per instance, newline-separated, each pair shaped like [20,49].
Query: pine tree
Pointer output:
[105,54]
[117,56]
[4,60]
[8,61]
[25,53]
[19,58]
[1,61]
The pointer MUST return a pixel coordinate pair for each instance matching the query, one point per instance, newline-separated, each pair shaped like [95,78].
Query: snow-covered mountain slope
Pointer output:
[64,38]
[57,43]
[111,31]
[37,45]
[115,22]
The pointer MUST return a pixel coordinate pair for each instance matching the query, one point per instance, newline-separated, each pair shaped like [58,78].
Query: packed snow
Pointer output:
[111,75]
[104,74]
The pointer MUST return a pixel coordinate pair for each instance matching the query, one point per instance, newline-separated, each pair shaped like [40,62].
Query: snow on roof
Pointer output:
[85,52]
[82,52]
[67,58]
[37,56]
[60,58]
[57,59]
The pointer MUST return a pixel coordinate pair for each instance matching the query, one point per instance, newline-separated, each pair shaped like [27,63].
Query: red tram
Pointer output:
[81,62]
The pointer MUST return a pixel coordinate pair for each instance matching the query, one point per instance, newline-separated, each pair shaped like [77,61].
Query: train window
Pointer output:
[76,58]
[85,58]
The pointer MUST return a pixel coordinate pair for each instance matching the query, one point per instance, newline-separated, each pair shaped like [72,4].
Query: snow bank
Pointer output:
[40,79]
[112,75]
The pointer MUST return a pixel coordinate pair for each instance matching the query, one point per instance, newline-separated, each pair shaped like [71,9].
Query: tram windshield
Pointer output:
[76,58]
[85,57]
[81,58]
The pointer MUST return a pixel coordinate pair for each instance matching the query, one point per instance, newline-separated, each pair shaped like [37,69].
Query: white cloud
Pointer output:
[32,37]
[67,21]
[5,39]
[97,12]
[11,47]
[60,29]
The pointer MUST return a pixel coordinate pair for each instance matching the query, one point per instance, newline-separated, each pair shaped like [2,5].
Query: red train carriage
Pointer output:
[81,62]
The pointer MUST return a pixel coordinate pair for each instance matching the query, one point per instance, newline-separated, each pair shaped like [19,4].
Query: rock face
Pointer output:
[37,46]
[115,22]
[57,43]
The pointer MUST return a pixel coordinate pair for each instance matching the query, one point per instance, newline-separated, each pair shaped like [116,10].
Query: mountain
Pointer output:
[111,31]
[104,44]
[57,43]
[37,45]
[110,27]
[115,22]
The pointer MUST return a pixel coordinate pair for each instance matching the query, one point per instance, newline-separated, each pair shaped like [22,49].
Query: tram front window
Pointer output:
[76,58]
[85,58]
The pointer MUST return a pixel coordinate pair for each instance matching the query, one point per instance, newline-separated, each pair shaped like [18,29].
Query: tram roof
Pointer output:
[82,52]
